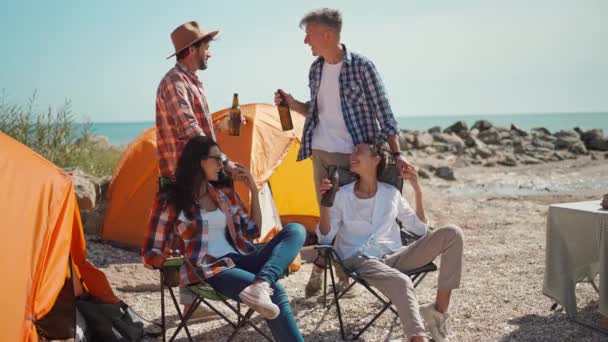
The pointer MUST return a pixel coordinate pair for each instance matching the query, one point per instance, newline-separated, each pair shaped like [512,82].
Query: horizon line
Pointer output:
[409,116]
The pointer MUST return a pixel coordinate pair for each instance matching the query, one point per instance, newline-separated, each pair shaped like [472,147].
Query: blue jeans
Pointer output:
[267,264]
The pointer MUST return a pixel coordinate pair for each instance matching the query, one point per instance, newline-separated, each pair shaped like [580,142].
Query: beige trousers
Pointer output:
[386,274]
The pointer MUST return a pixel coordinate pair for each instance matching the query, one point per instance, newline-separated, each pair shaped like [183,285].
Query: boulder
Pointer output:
[435,129]
[459,127]
[594,140]
[578,148]
[518,131]
[86,188]
[472,141]
[489,136]
[445,172]
[542,130]
[451,139]
[508,160]
[536,142]
[483,152]
[482,125]
[423,140]
[529,160]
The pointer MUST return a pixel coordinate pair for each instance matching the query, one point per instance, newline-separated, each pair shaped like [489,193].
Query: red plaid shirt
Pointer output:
[182,112]
[193,234]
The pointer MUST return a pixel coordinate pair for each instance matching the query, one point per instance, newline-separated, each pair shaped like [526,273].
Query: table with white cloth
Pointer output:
[576,251]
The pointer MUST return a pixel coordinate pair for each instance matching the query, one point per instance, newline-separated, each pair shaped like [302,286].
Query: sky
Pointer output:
[435,57]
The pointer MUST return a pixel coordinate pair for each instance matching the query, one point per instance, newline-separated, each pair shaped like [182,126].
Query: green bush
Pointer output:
[55,136]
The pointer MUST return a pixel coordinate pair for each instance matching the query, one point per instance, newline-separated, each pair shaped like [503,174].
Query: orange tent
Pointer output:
[41,231]
[262,146]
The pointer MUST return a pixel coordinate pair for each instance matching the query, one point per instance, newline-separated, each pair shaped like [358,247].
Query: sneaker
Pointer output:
[315,282]
[202,314]
[257,297]
[436,322]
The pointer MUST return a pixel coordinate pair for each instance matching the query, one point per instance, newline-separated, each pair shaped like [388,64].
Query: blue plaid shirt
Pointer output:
[365,107]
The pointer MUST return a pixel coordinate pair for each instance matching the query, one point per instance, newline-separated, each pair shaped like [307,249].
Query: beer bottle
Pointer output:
[284,113]
[328,197]
[234,123]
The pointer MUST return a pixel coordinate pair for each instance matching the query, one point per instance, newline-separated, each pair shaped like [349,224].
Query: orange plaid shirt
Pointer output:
[182,112]
[193,235]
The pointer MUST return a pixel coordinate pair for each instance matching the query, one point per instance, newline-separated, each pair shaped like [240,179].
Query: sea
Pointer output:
[121,133]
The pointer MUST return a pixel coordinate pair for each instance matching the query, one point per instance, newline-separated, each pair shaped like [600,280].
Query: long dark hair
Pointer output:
[189,176]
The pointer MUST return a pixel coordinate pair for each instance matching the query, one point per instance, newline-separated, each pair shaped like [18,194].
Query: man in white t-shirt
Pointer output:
[348,106]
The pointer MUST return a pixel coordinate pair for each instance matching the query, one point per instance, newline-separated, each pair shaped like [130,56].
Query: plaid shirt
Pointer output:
[365,107]
[182,112]
[193,234]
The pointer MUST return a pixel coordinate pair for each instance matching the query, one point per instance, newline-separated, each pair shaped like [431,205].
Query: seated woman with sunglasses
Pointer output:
[363,221]
[216,234]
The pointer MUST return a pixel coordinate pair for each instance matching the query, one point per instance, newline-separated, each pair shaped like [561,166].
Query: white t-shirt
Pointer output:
[330,134]
[218,244]
[375,235]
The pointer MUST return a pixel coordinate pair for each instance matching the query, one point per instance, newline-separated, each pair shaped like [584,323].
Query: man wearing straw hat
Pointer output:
[182,112]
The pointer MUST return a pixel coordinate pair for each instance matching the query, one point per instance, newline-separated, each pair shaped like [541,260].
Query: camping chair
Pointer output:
[328,257]
[204,293]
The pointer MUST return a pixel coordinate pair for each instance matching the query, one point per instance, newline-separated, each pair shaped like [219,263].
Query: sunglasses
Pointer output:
[221,159]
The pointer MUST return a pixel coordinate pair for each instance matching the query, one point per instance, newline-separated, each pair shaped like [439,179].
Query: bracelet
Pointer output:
[396,154]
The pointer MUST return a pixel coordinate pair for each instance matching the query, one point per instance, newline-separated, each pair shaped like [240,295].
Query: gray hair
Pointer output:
[328,17]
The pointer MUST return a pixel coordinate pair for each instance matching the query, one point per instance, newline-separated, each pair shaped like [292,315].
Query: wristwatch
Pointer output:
[396,154]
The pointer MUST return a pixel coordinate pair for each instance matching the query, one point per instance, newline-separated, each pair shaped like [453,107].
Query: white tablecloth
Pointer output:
[577,250]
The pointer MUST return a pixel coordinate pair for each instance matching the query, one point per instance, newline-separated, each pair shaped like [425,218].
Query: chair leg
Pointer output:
[243,320]
[182,318]
[333,283]
[325,285]
[162,306]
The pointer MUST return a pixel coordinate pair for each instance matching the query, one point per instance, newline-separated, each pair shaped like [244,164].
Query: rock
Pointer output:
[566,142]
[445,172]
[482,125]
[85,188]
[483,152]
[422,173]
[423,140]
[489,136]
[594,140]
[529,160]
[473,141]
[578,148]
[435,129]
[606,156]
[593,156]
[542,143]
[567,134]
[430,150]
[409,137]
[518,131]
[442,147]
[542,130]
[451,139]
[490,163]
[557,156]
[592,134]
[459,127]
[508,160]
